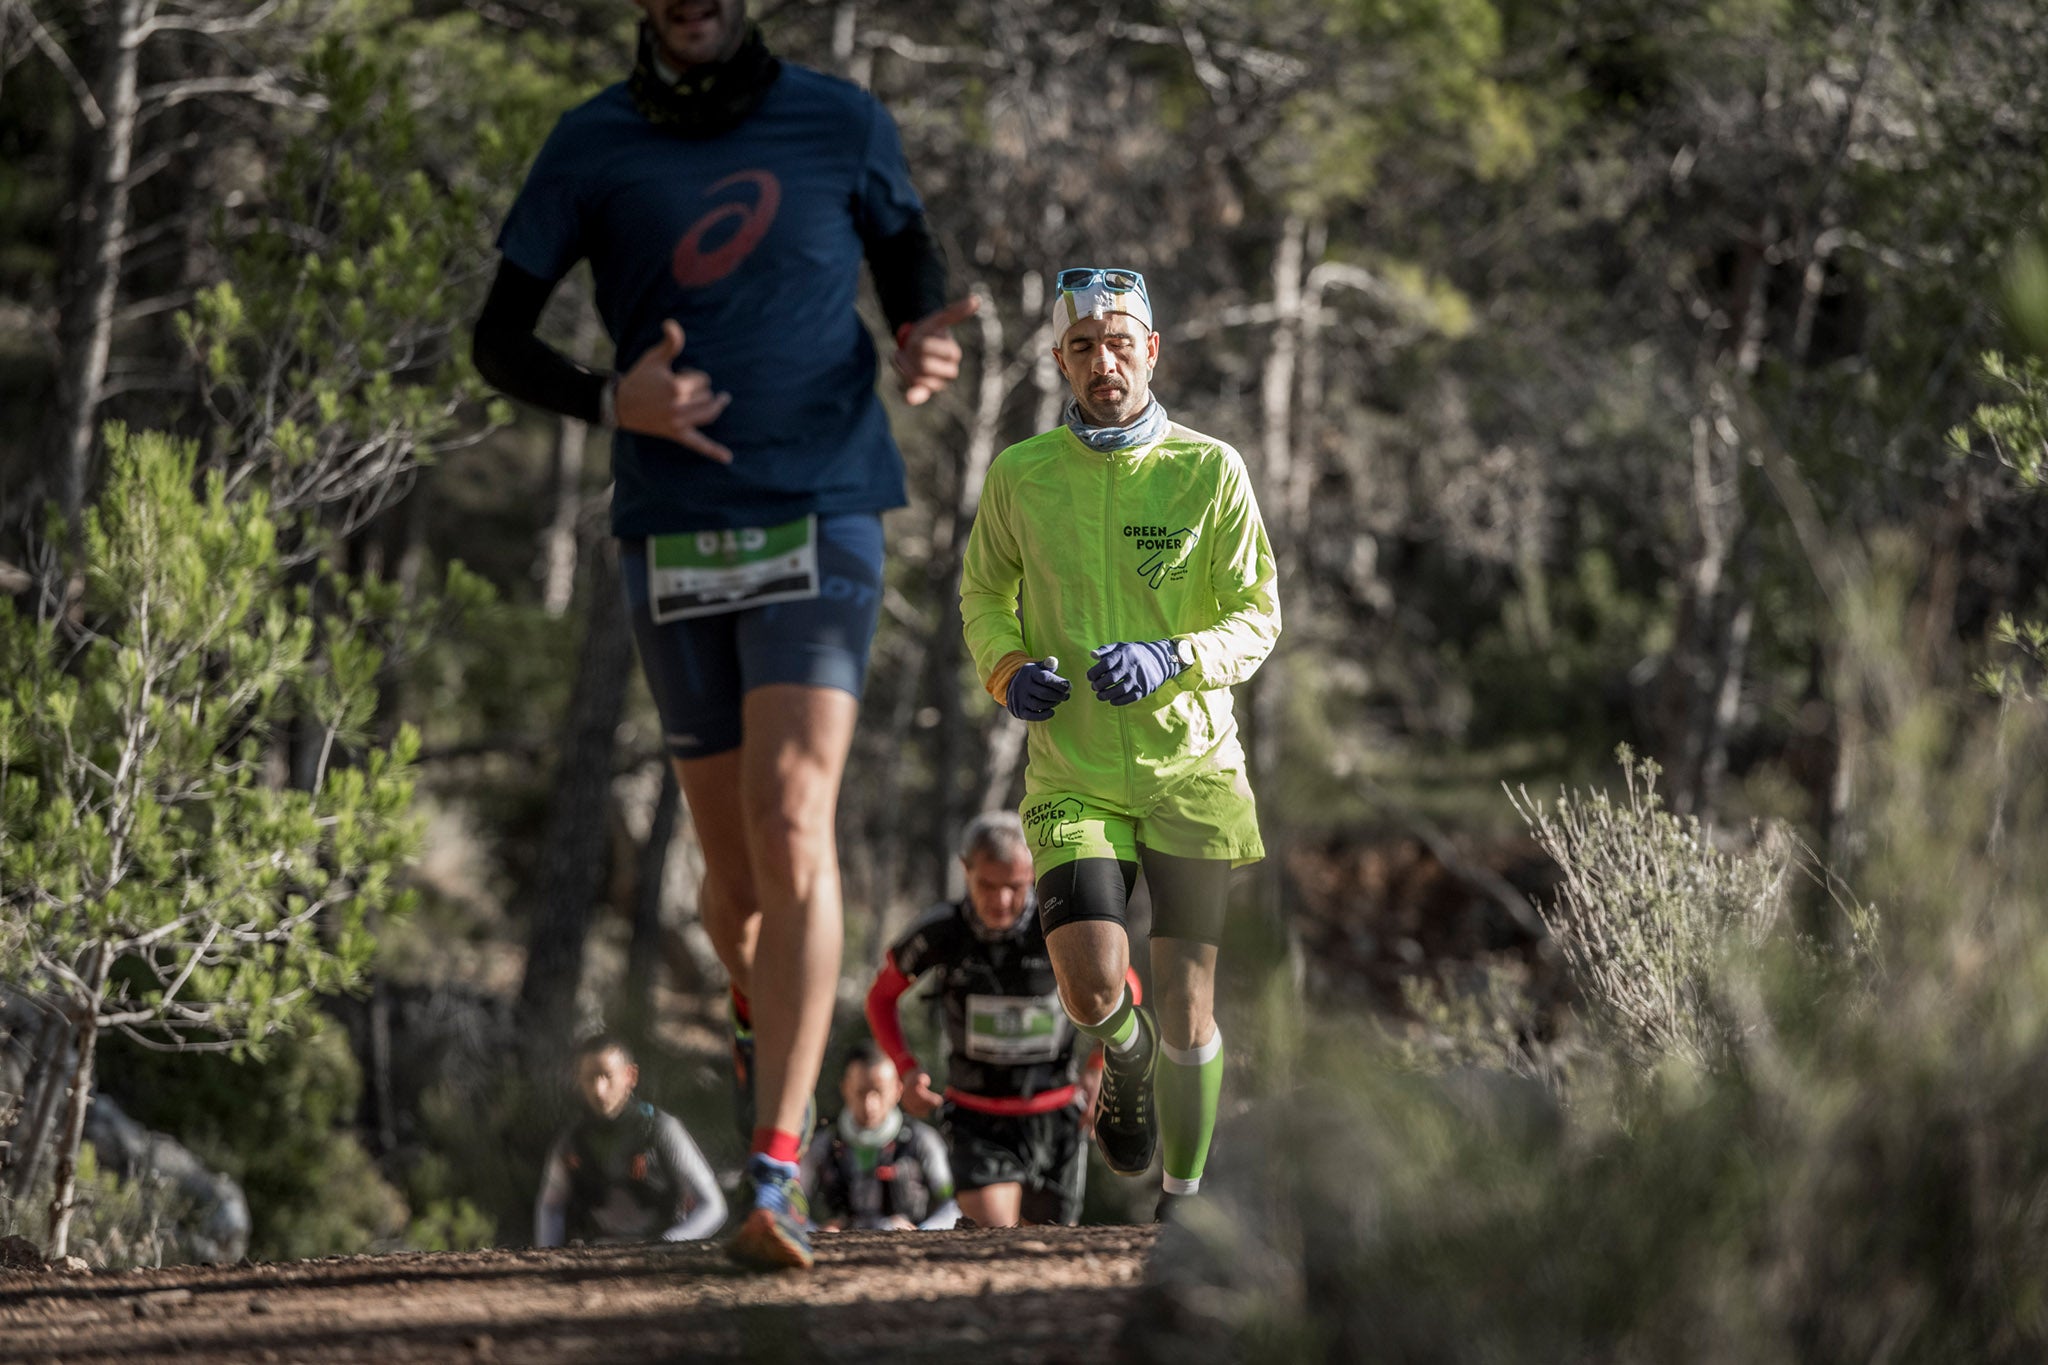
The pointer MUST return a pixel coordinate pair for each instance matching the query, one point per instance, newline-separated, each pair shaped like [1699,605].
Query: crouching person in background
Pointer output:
[875,1167]
[624,1171]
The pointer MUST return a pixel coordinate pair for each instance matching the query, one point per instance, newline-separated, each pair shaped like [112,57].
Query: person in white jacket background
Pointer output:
[625,1171]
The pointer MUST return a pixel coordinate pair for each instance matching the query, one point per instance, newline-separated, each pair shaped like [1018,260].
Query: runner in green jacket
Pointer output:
[1131,547]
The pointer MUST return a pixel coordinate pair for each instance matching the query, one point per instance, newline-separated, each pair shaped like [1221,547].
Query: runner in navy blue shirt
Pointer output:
[725,201]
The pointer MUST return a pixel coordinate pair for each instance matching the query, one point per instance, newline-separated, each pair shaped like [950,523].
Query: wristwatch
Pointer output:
[1184,651]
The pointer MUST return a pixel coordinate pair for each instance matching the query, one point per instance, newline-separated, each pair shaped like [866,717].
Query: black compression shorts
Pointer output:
[1189,895]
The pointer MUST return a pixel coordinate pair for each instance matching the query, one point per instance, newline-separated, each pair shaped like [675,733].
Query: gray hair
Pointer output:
[994,834]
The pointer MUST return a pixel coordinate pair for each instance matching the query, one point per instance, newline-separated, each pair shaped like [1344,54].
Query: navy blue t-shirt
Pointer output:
[752,242]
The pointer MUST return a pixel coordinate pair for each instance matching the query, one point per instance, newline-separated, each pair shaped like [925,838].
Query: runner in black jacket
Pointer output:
[1017,1090]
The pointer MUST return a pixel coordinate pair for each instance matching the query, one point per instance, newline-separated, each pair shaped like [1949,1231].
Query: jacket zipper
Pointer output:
[1109,597]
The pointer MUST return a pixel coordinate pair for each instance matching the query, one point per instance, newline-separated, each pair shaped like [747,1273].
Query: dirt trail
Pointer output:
[982,1296]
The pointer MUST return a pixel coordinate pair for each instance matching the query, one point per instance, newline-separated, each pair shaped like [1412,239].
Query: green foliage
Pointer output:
[2017,425]
[142,824]
[444,1222]
[333,356]
[119,1223]
[283,1126]
[2026,291]
[1429,90]
[1837,1161]
[1481,1015]
[2017,429]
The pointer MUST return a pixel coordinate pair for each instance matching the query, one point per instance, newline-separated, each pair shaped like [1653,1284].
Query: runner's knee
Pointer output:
[1093,997]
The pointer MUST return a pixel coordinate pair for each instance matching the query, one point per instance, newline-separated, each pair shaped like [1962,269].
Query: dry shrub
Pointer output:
[1811,1148]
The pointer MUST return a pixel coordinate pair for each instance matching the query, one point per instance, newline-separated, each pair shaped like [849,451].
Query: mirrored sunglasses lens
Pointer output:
[1080,277]
[1124,281]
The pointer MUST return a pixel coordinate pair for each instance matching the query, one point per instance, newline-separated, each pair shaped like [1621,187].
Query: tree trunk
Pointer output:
[559,542]
[990,391]
[384,1114]
[1045,375]
[86,326]
[643,961]
[1727,695]
[576,830]
[32,1127]
[73,1129]
[1277,483]
[1707,658]
[1005,752]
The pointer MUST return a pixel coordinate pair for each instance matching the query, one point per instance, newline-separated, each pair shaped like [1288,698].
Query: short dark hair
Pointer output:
[867,1052]
[598,1043]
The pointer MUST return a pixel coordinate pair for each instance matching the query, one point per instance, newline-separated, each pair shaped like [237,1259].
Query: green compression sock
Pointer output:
[1189,1085]
[1119,1032]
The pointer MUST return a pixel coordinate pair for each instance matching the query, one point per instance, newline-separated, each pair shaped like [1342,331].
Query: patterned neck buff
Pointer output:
[704,101]
[1149,427]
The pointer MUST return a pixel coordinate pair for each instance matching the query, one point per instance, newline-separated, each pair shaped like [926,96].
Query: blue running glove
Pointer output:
[1035,689]
[1126,672]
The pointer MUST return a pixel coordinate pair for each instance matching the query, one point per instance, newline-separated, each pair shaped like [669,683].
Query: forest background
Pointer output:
[1658,372]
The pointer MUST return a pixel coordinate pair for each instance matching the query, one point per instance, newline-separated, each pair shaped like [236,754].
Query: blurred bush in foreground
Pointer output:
[1802,1138]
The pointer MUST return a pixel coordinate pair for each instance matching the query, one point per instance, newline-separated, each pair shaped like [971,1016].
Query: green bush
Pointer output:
[119,1223]
[282,1125]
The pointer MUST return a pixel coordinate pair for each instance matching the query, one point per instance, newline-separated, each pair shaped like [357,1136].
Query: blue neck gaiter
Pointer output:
[1149,427]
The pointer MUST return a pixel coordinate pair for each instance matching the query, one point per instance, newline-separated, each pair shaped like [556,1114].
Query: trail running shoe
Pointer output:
[776,1235]
[1125,1128]
[1172,1207]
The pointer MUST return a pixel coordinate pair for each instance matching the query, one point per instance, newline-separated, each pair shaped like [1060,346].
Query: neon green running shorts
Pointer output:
[1208,815]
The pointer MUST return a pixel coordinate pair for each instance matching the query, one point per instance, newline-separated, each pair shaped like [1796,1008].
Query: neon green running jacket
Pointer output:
[1074,548]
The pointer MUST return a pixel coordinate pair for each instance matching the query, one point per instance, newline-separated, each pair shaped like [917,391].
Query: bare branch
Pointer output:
[913,51]
[178,1045]
[243,23]
[81,89]
[191,964]
[263,87]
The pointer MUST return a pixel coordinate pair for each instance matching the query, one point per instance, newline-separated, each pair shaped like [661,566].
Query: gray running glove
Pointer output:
[1035,689]
[1126,672]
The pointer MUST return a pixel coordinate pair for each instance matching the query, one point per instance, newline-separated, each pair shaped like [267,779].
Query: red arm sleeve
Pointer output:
[890,983]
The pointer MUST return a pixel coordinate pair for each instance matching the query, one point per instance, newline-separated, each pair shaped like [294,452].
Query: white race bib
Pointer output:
[704,573]
[1010,1029]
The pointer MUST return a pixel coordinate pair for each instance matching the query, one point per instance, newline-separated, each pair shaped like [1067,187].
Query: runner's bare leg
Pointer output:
[1089,959]
[993,1206]
[1184,984]
[791,762]
[726,903]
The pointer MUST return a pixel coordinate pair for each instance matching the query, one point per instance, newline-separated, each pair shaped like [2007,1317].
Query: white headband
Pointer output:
[1096,300]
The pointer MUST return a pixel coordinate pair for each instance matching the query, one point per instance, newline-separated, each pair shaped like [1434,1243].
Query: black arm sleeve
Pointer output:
[518,363]
[910,273]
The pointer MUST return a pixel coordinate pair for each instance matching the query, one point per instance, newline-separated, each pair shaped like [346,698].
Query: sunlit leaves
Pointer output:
[143,811]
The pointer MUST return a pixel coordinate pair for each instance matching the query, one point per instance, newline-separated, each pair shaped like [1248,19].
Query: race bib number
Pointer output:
[704,573]
[1009,1029]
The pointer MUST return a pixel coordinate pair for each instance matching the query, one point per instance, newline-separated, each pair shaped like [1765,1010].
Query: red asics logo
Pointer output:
[692,265]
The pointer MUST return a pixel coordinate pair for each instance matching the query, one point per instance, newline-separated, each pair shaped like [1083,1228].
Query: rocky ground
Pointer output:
[981,1296]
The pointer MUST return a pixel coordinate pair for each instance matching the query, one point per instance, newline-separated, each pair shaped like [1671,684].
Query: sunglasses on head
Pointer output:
[1115,279]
